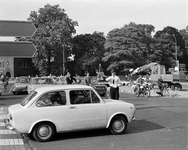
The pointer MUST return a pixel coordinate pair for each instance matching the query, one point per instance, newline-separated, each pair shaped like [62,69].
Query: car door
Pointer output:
[54,108]
[87,114]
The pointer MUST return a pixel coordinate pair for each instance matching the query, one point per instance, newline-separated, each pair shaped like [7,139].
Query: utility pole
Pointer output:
[63,60]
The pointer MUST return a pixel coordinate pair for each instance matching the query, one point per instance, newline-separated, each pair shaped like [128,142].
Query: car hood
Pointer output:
[115,101]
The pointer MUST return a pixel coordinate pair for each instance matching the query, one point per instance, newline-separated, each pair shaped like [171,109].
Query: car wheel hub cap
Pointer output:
[44,131]
[118,125]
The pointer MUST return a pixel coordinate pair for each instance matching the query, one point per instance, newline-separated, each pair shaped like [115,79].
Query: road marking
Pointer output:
[3,117]
[2,124]
[7,132]
[11,142]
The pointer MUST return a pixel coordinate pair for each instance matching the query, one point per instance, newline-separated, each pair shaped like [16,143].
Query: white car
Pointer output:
[64,108]
[20,86]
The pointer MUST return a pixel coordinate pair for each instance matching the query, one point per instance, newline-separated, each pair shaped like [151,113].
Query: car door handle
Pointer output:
[73,107]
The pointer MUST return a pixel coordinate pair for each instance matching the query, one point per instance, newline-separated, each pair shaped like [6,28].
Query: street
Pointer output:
[161,124]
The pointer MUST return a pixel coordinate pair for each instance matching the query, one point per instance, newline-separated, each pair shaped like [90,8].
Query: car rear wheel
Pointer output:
[118,125]
[43,132]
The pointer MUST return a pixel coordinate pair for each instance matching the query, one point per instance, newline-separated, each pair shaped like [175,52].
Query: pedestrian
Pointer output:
[70,79]
[114,82]
[87,79]
[78,80]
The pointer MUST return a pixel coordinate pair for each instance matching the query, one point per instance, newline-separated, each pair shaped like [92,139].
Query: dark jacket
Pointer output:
[70,80]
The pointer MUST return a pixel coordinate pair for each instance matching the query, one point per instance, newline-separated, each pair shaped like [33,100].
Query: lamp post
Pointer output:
[63,60]
[176,47]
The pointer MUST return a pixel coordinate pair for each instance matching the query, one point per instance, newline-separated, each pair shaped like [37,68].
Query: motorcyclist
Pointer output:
[139,82]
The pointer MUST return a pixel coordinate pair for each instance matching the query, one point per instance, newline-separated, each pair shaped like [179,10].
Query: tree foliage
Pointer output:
[128,46]
[88,50]
[133,45]
[54,33]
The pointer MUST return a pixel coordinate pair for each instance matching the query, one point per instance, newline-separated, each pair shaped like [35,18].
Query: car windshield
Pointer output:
[22,81]
[28,98]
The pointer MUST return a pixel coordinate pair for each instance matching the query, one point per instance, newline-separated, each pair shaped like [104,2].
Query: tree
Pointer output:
[184,59]
[52,39]
[170,45]
[88,50]
[128,46]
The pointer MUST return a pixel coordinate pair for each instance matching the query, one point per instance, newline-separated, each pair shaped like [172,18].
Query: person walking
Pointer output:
[114,82]
[87,79]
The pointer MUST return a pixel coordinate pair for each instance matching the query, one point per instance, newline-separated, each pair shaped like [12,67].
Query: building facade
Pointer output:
[16,59]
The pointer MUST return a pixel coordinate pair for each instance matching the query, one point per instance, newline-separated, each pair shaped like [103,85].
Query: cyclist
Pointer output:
[160,83]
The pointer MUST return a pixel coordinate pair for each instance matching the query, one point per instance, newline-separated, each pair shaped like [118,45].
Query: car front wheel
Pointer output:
[43,132]
[118,125]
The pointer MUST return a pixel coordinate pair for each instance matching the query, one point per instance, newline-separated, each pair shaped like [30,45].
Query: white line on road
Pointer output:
[7,132]
[2,124]
[11,142]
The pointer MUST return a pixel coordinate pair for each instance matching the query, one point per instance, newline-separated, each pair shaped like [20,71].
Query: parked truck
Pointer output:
[173,79]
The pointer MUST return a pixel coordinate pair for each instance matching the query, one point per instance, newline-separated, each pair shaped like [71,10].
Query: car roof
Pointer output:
[62,87]
[22,77]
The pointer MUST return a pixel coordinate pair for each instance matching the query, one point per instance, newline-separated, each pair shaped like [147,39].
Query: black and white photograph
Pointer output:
[93,74]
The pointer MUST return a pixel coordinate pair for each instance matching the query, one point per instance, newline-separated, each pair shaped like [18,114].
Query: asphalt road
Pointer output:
[161,124]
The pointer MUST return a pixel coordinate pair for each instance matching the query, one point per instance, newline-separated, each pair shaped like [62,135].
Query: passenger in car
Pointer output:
[58,99]
[44,101]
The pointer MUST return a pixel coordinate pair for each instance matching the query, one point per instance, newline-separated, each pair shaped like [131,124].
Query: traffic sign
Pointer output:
[16,28]
[17,49]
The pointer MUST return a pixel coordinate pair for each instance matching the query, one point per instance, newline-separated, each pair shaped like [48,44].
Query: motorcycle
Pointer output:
[143,89]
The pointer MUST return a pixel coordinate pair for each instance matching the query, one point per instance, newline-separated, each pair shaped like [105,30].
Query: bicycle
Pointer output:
[165,90]
[142,89]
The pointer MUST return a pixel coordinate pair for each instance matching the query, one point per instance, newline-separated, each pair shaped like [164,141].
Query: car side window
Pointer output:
[52,99]
[80,97]
[95,98]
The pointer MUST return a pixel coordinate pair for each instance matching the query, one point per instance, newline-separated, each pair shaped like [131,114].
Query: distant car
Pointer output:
[20,86]
[60,80]
[101,89]
[64,108]
[37,82]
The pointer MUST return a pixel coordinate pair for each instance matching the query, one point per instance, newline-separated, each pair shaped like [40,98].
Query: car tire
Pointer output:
[43,132]
[15,93]
[118,125]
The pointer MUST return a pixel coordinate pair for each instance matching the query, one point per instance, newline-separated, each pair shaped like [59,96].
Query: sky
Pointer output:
[104,15]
